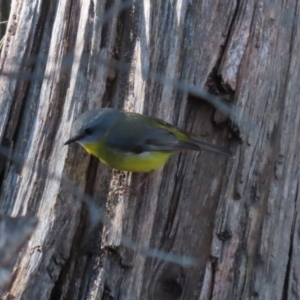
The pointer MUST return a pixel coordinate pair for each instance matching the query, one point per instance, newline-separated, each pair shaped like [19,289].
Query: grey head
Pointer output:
[92,125]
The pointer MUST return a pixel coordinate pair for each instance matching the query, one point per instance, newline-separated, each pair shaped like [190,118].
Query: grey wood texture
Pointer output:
[14,233]
[238,218]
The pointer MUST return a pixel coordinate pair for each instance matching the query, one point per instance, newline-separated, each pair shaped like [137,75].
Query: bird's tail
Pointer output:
[196,145]
[178,145]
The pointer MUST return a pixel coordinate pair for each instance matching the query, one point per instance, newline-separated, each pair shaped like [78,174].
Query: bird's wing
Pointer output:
[142,134]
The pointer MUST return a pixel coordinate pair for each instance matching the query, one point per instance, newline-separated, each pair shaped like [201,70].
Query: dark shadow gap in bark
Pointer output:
[289,266]
[4,14]
[214,268]
[118,92]
[215,83]
[113,74]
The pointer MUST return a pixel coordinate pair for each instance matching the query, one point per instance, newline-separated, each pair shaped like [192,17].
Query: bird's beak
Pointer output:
[74,139]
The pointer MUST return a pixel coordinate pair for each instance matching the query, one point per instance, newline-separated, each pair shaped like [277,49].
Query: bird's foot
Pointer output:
[127,190]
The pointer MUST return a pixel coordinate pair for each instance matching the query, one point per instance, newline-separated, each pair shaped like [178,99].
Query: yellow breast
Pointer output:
[132,162]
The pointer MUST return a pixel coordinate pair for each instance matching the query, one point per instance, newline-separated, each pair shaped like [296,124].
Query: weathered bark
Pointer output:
[14,233]
[238,217]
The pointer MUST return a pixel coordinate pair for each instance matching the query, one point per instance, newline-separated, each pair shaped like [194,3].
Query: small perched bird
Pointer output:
[132,142]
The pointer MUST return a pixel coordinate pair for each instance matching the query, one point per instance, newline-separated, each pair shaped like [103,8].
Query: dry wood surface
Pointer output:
[238,218]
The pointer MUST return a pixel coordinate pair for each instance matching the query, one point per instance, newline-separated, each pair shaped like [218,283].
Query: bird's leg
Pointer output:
[125,190]
[146,177]
[133,190]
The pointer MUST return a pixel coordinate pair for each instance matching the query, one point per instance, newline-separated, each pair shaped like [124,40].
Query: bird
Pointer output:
[132,142]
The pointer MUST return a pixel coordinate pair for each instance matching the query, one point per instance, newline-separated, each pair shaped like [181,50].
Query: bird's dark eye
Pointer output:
[88,131]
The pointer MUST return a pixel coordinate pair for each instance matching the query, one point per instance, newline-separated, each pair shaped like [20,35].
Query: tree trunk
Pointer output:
[230,226]
[14,233]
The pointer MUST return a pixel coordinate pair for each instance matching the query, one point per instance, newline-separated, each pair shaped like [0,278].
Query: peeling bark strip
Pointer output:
[237,218]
